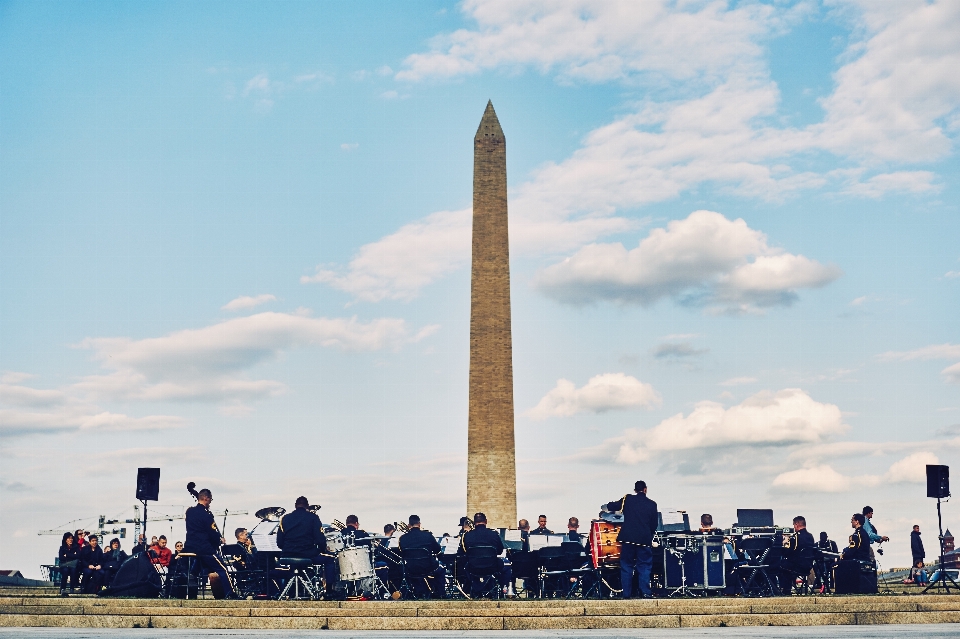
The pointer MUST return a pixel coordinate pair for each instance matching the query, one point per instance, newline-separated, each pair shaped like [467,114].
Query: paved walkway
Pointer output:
[927,631]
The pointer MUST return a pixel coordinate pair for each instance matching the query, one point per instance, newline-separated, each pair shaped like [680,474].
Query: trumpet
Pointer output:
[339,525]
[402,527]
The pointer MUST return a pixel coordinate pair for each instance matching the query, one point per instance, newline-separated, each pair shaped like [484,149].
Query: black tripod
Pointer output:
[940,584]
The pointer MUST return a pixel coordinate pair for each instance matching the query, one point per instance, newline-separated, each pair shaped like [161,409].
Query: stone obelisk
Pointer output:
[491,460]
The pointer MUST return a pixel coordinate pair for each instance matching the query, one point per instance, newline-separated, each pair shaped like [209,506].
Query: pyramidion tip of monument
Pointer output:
[489,124]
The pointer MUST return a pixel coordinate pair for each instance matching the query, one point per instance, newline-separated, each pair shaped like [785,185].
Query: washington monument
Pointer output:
[491,460]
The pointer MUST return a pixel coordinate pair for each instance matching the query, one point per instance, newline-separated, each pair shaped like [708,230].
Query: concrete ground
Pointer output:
[927,631]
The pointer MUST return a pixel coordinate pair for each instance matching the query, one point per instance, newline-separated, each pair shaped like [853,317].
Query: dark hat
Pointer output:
[464,521]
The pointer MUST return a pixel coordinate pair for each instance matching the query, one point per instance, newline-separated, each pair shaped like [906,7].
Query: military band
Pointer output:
[412,562]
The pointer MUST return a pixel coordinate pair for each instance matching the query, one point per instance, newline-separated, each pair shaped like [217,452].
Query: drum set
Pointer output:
[355,557]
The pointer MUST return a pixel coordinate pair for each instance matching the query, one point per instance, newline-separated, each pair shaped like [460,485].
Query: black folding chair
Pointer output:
[419,574]
[485,568]
[753,574]
[526,568]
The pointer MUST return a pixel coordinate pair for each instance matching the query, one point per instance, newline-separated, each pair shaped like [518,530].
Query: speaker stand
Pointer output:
[942,578]
[144,502]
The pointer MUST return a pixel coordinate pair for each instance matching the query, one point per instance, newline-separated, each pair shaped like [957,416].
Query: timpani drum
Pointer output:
[604,547]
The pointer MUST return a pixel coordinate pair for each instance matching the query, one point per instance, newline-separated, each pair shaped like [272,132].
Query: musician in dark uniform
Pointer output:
[483,536]
[635,537]
[360,537]
[247,560]
[541,528]
[573,533]
[301,535]
[859,547]
[797,556]
[204,540]
[465,526]
[524,527]
[416,539]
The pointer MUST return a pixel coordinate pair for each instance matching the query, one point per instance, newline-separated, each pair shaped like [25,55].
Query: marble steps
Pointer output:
[87,612]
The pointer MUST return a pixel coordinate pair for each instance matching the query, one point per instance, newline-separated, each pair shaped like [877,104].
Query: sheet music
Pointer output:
[512,534]
[265,542]
[451,545]
[673,517]
[538,541]
[394,542]
[555,540]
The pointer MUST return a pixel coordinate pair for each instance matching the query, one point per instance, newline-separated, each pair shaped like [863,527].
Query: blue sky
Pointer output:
[234,243]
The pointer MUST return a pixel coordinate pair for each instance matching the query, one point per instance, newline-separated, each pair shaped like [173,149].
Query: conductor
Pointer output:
[301,535]
[635,537]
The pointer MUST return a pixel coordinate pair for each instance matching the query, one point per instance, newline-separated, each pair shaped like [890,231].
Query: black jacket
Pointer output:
[803,539]
[573,535]
[113,559]
[301,534]
[416,539]
[639,519]
[859,546]
[480,536]
[541,531]
[90,557]
[203,537]
[916,545]
[67,553]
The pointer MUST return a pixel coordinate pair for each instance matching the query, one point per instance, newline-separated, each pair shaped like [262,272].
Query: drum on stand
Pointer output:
[335,541]
[355,563]
[604,547]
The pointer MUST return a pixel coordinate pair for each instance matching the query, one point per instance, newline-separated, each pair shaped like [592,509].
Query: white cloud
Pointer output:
[399,265]
[596,42]
[609,391]
[912,468]
[349,146]
[79,418]
[678,350]
[15,377]
[785,418]
[934,351]
[897,182]
[890,100]
[246,301]
[208,363]
[739,381]
[25,396]
[952,274]
[820,479]
[704,259]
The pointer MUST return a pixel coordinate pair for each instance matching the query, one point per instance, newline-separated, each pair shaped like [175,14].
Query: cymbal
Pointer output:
[271,513]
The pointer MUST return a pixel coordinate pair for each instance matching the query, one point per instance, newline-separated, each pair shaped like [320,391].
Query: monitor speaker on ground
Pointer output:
[938,481]
[148,484]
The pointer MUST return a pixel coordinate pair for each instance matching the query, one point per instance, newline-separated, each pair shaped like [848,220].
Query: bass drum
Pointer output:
[334,541]
[355,563]
[604,547]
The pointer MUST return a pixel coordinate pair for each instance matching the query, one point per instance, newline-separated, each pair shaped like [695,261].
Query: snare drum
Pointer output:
[334,541]
[355,563]
[604,547]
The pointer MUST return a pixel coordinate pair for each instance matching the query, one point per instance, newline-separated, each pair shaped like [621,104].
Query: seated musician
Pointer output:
[91,565]
[160,554]
[483,536]
[247,560]
[797,556]
[465,526]
[353,528]
[524,527]
[859,546]
[541,528]
[706,524]
[388,530]
[204,540]
[573,524]
[113,558]
[416,539]
[301,535]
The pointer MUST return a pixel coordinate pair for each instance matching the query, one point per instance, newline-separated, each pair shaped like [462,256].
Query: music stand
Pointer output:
[937,483]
